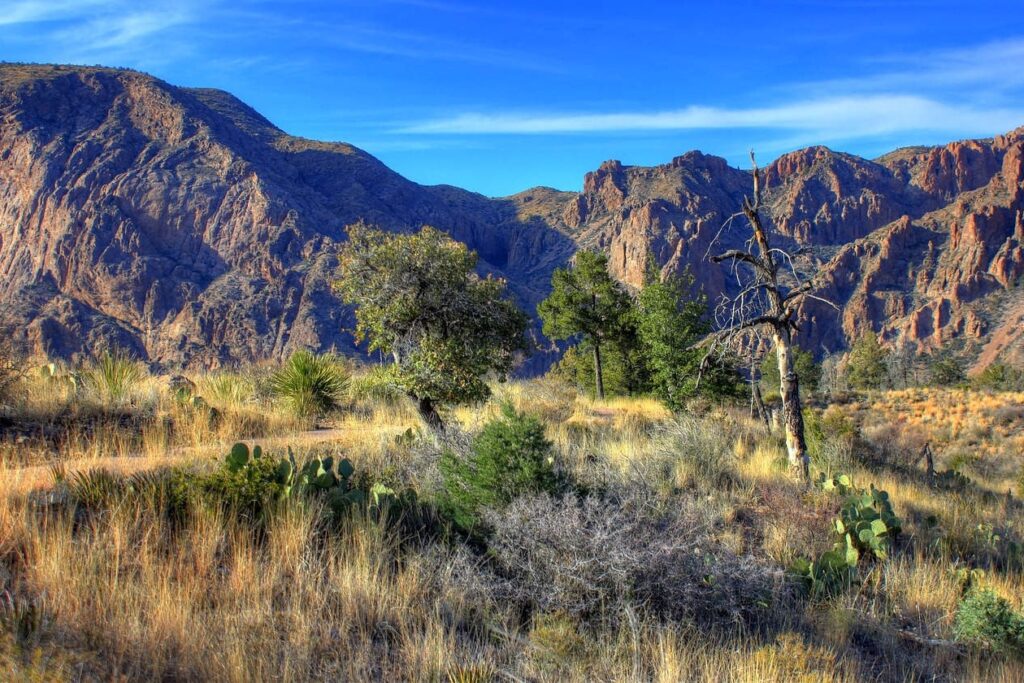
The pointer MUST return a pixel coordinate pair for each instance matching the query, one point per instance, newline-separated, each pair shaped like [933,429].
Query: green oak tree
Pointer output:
[418,299]
[587,303]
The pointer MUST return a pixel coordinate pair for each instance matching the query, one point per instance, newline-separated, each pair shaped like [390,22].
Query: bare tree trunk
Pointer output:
[793,418]
[598,372]
[762,412]
[756,402]
[428,411]
[764,303]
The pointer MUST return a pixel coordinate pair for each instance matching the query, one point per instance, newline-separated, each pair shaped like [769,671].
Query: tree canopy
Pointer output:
[418,299]
[669,322]
[866,365]
[585,302]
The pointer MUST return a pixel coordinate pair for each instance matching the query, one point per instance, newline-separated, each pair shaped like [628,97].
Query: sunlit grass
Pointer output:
[128,594]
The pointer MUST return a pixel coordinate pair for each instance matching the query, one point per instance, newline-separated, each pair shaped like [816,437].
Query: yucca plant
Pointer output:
[114,376]
[226,389]
[310,384]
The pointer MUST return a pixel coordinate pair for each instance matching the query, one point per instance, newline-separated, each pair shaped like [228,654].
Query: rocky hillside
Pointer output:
[181,224]
[924,245]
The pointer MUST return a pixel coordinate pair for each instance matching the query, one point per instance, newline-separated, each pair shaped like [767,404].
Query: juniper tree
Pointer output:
[669,320]
[866,364]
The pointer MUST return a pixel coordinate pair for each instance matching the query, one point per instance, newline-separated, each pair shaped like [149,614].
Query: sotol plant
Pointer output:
[114,376]
[310,384]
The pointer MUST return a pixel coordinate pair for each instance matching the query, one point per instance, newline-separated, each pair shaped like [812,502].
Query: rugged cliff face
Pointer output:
[923,245]
[184,226]
[181,224]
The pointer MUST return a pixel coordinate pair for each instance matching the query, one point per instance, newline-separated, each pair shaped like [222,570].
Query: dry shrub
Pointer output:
[10,369]
[592,558]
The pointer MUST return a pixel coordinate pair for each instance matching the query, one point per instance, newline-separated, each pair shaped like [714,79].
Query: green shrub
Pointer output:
[310,384]
[999,377]
[249,483]
[983,618]
[509,458]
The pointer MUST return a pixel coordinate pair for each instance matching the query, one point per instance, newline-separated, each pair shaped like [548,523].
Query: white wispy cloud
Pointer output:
[35,11]
[973,90]
[96,30]
[846,116]
[994,66]
[122,31]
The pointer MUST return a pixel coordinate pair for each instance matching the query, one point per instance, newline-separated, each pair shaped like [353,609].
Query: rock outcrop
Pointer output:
[923,245]
[181,224]
[184,226]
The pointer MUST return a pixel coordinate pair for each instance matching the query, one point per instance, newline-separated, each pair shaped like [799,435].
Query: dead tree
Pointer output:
[757,408]
[765,305]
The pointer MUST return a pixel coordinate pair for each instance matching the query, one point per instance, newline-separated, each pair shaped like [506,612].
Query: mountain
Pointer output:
[924,245]
[184,226]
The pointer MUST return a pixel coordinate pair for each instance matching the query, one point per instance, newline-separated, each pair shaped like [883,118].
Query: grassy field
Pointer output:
[667,552]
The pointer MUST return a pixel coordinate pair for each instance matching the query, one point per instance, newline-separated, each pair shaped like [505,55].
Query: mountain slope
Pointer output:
[181,224]
[924,245]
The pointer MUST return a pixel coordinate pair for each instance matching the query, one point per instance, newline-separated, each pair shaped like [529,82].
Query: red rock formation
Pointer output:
[183,225]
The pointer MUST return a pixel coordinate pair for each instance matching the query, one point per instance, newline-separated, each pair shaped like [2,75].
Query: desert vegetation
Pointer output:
[429,518]
[545,535]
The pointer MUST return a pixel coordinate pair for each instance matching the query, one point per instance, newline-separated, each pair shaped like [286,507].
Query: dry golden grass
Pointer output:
[127,594]
[962,425]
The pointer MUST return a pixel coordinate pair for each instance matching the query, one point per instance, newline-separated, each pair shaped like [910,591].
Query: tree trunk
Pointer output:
[756,403]
[792,416]
[759,404]
[428,411]
[598,373]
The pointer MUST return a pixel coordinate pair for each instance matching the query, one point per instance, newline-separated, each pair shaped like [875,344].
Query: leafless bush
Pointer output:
[591,558]
[11,368]
[891,443]
[419,469]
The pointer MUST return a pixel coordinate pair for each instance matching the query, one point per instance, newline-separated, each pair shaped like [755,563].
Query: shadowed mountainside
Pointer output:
[181,224]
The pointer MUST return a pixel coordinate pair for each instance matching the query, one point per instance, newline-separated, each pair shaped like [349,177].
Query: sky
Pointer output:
[500,97]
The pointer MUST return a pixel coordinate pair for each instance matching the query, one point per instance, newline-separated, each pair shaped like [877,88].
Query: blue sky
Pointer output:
[499,97]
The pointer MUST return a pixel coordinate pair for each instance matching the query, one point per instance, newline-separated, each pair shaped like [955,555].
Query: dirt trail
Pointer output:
[34,476]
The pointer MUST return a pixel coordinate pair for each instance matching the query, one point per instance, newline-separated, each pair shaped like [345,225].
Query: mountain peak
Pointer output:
[181,224]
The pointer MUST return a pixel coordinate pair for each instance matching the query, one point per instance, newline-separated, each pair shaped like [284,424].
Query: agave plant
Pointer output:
[310,384]
[114,376]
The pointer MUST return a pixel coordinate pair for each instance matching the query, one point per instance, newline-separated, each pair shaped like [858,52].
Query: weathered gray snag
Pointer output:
[763,304]
[756,403]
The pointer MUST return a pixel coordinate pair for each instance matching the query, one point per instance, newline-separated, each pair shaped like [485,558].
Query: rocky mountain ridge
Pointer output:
[181,224]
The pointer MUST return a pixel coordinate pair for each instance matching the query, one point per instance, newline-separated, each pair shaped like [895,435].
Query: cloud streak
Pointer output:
[833,117]
[97,30]
[969,91]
